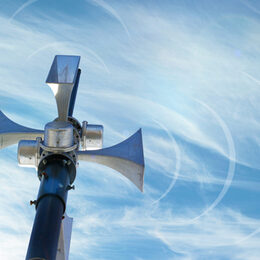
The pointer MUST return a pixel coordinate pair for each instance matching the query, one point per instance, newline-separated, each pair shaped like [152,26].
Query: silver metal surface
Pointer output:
[58,134]
[65,238]
[126,157]
[12,133]
[61,79]
[62,138]
[59,149]
[92,136]
[28,153]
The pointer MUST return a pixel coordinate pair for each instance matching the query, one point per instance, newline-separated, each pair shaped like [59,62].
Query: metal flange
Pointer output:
[67,160]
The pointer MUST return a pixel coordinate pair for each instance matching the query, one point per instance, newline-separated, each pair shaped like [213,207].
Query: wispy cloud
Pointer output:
[22,7]
[111,11]
[173,55]
[221,229]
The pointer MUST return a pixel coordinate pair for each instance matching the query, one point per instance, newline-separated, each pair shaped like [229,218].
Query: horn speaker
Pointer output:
[12,133]
[126,157]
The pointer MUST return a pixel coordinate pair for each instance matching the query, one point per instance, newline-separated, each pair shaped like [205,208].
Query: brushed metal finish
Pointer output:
[62,93]
[28,153]
[58,134]
[61,79]
[92,136]
[12,133]
[126,157]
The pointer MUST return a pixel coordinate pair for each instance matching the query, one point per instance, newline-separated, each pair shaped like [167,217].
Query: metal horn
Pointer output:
[63,75]
[126,157]
[12,133]
[55,152]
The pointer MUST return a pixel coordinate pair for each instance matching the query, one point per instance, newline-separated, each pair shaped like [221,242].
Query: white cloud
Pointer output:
[173,58]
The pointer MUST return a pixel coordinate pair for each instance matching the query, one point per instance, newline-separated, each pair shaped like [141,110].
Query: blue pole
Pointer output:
[50,207]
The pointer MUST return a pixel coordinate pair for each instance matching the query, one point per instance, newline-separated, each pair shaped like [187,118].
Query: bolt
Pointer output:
[33,202]
[45,175]
[44,161]
[63,217]
[69,187]
[69,162]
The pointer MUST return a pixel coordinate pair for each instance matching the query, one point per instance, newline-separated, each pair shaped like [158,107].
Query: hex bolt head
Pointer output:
[33,202]
[44,161]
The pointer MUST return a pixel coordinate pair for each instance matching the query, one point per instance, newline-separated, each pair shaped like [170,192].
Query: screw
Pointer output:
[44,161]
[69,187]
[33,202]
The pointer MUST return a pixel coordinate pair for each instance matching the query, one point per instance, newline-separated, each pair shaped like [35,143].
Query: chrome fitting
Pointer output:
[28,153]
[58,134]
[91,136]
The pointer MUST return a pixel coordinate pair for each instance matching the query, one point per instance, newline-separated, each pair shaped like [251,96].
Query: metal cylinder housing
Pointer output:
[27,154]
[58,134]
[92,136]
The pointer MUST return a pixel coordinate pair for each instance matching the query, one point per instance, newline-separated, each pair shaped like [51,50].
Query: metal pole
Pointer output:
[55,173]
[56,155]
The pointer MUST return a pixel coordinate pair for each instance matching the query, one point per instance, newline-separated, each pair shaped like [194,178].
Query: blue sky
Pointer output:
[187,72]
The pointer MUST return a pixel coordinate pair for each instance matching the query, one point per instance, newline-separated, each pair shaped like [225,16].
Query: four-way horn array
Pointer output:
[55,152]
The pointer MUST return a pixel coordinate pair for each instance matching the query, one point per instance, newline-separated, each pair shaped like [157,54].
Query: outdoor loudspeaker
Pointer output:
[55,152]
[12,133]
[126,157]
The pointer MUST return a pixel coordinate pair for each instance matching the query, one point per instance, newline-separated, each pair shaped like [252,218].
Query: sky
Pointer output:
[187,73]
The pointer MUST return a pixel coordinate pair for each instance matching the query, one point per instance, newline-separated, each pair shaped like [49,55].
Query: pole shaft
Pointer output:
[50,207]
[46,229]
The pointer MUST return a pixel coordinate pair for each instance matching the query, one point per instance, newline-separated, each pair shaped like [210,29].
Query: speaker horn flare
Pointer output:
[12,133]
[126,157]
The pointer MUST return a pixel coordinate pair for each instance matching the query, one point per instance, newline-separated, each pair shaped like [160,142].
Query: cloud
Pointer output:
[223,229]
[177,54]
[22,7]
[111,11]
